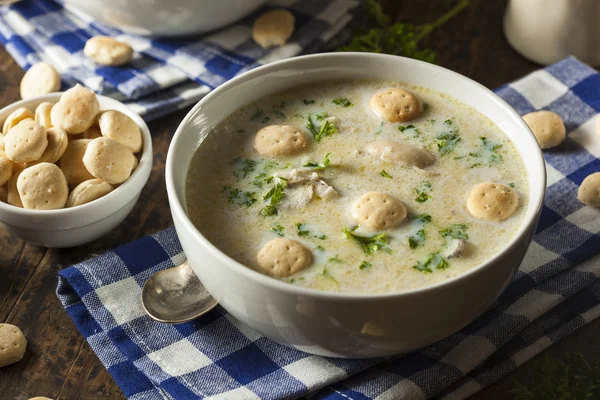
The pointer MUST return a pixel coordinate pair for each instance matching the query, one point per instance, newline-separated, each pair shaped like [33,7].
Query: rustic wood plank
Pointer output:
[60,364]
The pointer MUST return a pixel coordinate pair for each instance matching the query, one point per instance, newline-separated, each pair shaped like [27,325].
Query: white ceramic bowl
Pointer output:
[336,324]
[165,18]
[70,227]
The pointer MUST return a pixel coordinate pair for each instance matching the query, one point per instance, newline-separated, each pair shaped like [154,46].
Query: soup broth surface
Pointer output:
[228,180]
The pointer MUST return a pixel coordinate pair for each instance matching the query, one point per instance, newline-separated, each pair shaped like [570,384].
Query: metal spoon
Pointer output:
[176,295]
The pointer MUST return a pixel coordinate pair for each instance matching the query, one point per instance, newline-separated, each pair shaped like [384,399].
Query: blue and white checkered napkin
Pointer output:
[555,291]
[165,75]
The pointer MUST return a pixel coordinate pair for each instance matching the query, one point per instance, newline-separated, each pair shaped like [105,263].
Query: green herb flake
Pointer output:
[242,167]
[268,211]
[323,130]
[422,217]
[269,165]
[265,120]
[423,192]
[380,128]
[512,185]
[273,196]
[326,274]
[495,157]
[448,139]
[417,240]
[316,166]
[385,174]
[322,237]
[279,114]
[256,115]
[369,244]
[335,260]
[456,231]
[278,229]
[411,130]
[301,230]
[343,101]
[238,197]
[307,101]
[365,265]
[434,262]
[320,248]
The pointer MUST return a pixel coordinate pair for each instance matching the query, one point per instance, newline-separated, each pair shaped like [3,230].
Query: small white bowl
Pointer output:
[68,227]
[349,324]
[165,18]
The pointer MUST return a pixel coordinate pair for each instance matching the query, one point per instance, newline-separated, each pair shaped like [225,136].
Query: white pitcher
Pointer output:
[546,31]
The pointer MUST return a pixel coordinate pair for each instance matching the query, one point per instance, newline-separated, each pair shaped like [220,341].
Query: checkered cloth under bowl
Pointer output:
[165,74]
[555,291]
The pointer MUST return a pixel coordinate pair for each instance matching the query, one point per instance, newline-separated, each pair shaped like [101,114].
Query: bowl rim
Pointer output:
[137,178]
[535,198]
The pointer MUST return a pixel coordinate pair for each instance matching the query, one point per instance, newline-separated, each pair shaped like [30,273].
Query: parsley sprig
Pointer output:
[343,101]
[325,129]
[319,166]
[396,38]
[369,244]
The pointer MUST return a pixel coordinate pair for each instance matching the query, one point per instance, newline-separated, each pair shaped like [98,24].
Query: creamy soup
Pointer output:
[427,232]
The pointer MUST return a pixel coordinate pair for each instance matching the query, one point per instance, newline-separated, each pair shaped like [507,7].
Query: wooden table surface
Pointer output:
[60,364]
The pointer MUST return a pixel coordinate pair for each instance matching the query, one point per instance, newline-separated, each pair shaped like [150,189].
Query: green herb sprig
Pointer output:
[369,244]
[319,166]
[320,131]
[343,101]
[396,38]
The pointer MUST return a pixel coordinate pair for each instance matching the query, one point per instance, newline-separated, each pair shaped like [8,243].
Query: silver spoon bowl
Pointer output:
[176,295]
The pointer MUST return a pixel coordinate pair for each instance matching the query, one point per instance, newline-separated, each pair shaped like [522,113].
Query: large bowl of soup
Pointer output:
[354,205]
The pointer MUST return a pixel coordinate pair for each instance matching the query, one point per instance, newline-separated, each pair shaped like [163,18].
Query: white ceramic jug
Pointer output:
[546,31]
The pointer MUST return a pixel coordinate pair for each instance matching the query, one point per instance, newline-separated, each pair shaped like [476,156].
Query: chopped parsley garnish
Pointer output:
[275,193]
[307,102]
[256,115]
[343,101]
[422,196]
[411,130]
[301,230]
[326,274]
[323,130]
[456,231]
[243,167]
[278,229]
[273,196]
[423,192]
[422,217]
[385,174]
[268,211]
[495,157]
[322,237]
[434,262]
[369,244]
[237,197]
[425,106]
[270,165]
[380,128]
[320,248]
[512,185]
[260,179]
[265,120]
[335,260]
[417,240]
[365,265]
[447,140]
[279,114]
[317,166]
